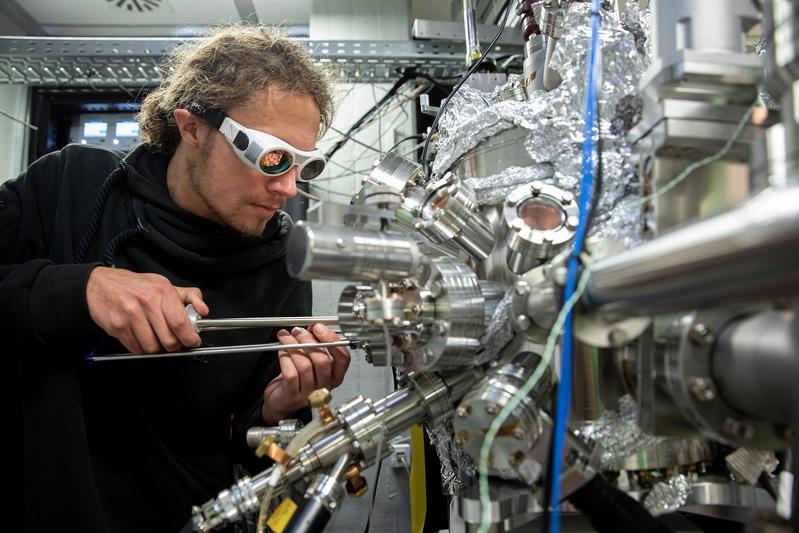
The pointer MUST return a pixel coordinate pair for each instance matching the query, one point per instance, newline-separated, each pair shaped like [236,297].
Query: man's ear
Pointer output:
[192,128]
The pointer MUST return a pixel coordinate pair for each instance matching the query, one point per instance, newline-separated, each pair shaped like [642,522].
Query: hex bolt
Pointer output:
[522,287]
[523,321]
[463,410]
[518,433]
[536,188]
[617,337]
[461,437]
[702,389]
[572,222]
[492,409]
[566,198]
[700,335]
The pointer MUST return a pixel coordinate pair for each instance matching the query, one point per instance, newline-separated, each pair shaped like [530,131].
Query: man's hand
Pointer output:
[303,371]
[145,312]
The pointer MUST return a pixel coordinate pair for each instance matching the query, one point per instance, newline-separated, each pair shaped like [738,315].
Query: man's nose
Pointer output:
[285,184]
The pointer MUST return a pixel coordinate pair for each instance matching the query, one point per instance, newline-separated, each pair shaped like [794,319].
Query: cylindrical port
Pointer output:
[540,220]
[450,215]
[320,252]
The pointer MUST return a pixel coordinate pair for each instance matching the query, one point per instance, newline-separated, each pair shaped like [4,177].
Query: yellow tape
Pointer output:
[280,518]
[418,483]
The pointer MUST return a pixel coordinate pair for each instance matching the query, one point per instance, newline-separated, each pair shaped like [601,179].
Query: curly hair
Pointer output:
[223,70]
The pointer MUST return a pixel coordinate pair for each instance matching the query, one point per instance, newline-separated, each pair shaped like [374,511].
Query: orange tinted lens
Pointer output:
[275,162]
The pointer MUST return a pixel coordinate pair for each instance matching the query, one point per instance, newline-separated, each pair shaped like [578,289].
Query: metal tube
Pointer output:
[224,350]
[329,252]
[214,324]
[748,253]
[755,365]
[472,38]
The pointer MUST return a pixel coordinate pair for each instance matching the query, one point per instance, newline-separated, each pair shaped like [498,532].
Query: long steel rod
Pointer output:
[748,253]
[214,324]
[225,350]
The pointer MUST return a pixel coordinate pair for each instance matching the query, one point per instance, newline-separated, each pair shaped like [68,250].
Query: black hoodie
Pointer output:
[125,446]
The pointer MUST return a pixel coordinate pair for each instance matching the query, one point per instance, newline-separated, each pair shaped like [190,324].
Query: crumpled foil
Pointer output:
[668,496]
[618,433]
[456,465]
[555,121]
[498,332]
[495,188]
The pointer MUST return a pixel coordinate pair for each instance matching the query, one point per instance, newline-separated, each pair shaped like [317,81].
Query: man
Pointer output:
[95,245]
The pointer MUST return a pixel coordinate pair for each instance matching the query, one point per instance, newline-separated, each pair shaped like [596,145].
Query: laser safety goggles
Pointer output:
[265,153]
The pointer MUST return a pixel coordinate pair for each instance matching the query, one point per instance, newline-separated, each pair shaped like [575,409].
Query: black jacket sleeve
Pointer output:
[42,302]
[298,303]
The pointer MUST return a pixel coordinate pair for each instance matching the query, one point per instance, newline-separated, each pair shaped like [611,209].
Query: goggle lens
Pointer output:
[312,169]
[276,162]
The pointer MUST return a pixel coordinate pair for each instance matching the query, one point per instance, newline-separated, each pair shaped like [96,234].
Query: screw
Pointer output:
[492,409]
[461,437]
[701,335]
[517,224]
[566,198]
[340,243]
[463,410]
[523,321]
[536,188]
[572,222]
[516,459]
[518,433]
[737,429]
[702,389]
[617,337]
[522,287]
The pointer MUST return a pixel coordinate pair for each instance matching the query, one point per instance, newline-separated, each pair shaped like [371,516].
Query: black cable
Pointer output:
[353,139]
[404,78]
[408,138]
[374,495]
[610,510]
[458,86]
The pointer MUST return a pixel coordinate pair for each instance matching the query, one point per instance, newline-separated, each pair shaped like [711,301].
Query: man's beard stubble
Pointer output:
[197,169]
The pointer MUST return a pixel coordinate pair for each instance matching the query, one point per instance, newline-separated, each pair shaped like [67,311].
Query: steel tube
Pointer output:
[215,324]
[748,253]
[470,26]
[755,365]
[223,350]
[328,252]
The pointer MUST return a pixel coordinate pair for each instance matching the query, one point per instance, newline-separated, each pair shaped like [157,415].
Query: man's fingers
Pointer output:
[178,321]
[144,334]
[193,296]
[340,354]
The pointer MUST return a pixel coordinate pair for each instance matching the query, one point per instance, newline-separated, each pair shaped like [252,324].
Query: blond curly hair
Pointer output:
[223,70]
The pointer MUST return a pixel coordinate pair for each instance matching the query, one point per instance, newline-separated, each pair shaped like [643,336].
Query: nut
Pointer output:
[319,397]
[463,410]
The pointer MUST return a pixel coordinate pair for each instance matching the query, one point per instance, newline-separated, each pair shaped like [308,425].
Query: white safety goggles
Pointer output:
[263,152]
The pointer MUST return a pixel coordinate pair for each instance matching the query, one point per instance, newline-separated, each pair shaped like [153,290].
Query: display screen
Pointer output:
[127,128]
[95,128]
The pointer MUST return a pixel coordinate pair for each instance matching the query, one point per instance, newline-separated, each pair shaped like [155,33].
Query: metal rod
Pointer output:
[214,324]
[747,254]
[226,350]
[470,26]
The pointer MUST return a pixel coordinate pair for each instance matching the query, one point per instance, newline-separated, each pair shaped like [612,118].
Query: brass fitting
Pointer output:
[356,485]
[320,400]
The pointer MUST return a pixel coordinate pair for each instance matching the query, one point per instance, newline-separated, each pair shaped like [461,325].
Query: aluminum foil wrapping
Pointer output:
[456,465]
[668,496]
[498,332]
[618,433]
[555,121]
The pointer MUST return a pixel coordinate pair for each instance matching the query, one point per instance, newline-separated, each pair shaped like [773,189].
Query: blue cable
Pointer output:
[590,132]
